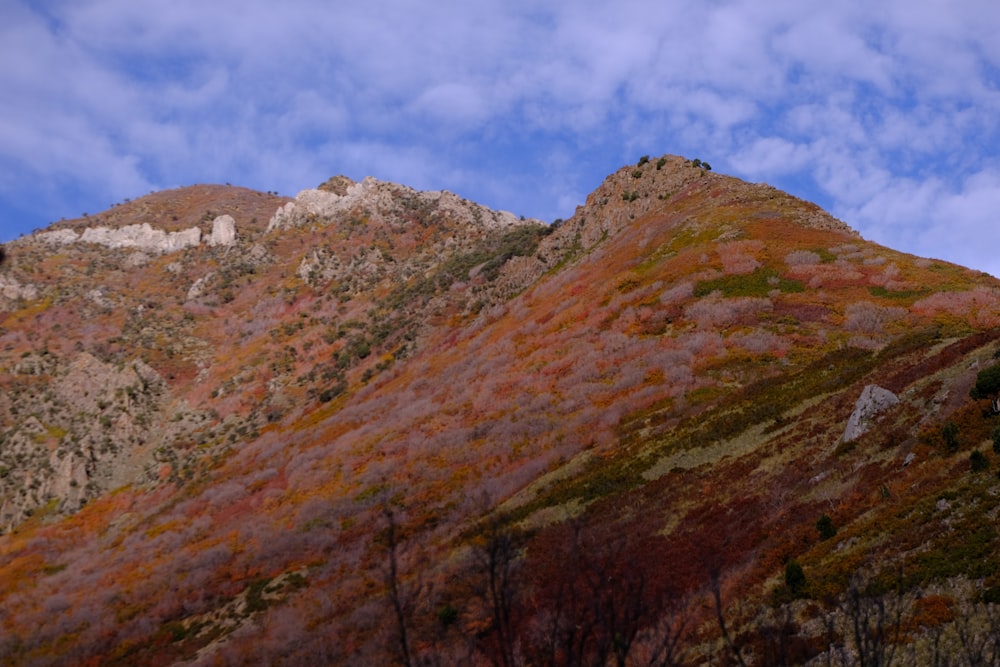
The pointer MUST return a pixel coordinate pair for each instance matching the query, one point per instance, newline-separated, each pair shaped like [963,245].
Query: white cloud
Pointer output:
[889,112]
[453,103]
[772,156]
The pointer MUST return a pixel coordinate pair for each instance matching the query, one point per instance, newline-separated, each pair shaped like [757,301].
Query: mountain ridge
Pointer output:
[392,383]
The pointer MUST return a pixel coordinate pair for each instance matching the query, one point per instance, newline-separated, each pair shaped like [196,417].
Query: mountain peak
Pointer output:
[368,394]
[673,182]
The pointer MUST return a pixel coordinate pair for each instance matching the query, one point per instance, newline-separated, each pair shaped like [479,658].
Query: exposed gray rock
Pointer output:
[97,297]
[282,218]
[136,260]
[874,400]
[13,290]
[381,198]
[59,237]
[223,231]
[200,286]
[141,237]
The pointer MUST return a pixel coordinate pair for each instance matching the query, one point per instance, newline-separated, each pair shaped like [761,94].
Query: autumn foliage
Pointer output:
[395,436]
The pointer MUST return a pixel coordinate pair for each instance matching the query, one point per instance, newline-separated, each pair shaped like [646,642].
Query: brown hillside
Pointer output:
[186,207]
[398,432]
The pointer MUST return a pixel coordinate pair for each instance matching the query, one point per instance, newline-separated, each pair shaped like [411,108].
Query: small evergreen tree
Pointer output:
[987,383]
[950,434]
[825,527]
[795,578]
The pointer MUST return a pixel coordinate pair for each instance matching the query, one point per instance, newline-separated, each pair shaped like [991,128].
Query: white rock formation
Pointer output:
[874,400]
[283,217]
[381,197]
[141,237]
[223,231]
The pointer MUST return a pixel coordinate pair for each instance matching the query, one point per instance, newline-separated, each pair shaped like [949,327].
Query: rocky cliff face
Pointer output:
[145,238]
[112,407]
[141,237]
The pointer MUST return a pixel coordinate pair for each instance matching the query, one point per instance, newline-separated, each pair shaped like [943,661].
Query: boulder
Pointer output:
[874,400]
[223,231]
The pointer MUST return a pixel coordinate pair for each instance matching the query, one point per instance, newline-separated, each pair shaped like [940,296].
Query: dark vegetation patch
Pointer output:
[759,283]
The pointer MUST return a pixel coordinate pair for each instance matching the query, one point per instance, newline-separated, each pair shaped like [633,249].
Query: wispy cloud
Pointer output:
[885,112]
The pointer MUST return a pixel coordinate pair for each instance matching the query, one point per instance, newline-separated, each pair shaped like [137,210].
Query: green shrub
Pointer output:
[643,160]
[987,383]
[255,600]
[949,432]
[795,578]
[825,527]
[978,461]
[333,392]
[759,283]
[991,595]
[447,615]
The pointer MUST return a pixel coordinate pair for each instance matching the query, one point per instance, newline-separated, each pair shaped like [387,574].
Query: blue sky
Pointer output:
[886,113]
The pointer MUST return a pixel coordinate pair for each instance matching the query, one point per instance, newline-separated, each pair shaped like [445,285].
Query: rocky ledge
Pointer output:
[146,238]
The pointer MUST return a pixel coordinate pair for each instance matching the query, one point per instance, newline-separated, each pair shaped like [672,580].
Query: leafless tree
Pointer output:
[497,582]
[603,607]
[978,631]
[663,644]
[873,621]
[400,600]
[715,585]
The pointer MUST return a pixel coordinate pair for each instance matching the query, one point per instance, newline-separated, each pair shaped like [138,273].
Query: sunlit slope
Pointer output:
[671,371]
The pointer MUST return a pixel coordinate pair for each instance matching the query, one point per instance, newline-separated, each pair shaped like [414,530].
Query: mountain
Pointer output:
[699,421]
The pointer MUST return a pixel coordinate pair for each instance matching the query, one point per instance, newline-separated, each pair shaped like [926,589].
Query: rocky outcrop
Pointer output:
[200,287]
[355,273]
[140,237]
[388,200]
[97,428]
[874,400]
[223,231]
[145,238]
[11,289]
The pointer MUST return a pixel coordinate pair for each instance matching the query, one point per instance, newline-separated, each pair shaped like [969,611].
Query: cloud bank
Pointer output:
[884,113]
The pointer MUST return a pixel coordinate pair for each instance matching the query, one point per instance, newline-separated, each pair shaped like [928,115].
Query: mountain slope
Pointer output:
[336,432]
